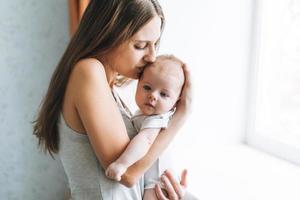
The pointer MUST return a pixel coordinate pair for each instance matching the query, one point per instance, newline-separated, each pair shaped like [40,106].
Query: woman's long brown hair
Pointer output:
[104,25]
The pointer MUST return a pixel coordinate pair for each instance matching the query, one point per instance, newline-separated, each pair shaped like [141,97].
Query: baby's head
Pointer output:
[160,85]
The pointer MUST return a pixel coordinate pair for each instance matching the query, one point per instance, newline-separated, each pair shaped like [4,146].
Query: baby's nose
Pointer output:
[152,97]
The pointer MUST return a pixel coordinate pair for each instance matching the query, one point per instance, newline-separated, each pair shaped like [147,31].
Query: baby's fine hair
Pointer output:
[170,57]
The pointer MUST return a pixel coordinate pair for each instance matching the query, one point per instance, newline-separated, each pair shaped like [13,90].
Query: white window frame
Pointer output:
[254,137]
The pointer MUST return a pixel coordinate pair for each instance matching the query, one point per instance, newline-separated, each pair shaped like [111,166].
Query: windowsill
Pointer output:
[241,172]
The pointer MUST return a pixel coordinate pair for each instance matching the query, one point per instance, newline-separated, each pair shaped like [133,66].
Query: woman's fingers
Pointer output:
[187,75]
[178,188]
[187,83]
[169,187]
[159,193]
[173,189]
[183,180]
[186,94]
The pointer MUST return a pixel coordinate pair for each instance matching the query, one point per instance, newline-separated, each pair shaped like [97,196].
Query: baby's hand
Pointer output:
[115,171]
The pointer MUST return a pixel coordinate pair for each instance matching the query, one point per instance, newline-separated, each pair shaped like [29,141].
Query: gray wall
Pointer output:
[33,35]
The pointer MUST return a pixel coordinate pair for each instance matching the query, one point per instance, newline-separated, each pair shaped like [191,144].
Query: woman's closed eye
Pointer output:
[140,46]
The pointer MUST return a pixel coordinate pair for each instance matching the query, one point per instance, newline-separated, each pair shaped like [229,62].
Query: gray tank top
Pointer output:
[85,174]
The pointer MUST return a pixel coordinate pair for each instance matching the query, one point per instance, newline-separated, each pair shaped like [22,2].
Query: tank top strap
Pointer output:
[122,106]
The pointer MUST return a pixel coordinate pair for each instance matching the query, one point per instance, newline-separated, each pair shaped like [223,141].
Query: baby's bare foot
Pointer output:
[115,171]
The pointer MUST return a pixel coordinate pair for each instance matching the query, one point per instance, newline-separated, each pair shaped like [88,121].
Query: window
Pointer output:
[275,99]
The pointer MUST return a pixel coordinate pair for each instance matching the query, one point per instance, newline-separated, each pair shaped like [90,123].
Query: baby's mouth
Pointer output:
[149,105]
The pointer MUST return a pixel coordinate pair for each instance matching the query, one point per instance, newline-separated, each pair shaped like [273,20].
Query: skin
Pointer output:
[88,99]
[159,88]
[175,190]
[157,92]
[130,58]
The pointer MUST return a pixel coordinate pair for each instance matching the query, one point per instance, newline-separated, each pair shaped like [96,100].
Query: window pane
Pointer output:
[277,111]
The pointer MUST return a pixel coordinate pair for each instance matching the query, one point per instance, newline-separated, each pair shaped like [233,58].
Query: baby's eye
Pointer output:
[147,87]
[163,94]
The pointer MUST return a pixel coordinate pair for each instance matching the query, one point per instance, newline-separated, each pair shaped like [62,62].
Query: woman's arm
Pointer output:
[164,138]
[103,122]
[161,142]
[136,149]
[98,111]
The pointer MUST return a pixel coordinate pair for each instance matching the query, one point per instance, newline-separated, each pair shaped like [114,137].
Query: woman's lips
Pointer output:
[140,71]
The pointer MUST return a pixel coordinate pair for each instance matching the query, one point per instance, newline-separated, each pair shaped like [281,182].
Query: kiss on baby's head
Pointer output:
[160,85]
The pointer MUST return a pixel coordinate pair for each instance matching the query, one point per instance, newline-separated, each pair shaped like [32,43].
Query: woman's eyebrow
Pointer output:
[146,41]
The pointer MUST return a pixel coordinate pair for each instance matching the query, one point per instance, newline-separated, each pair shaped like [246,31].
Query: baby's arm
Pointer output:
[136,149]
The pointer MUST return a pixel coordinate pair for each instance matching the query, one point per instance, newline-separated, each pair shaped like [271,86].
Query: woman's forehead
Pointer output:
[150,32]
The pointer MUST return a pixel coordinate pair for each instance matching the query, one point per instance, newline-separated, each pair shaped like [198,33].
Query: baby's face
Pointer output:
[159,88]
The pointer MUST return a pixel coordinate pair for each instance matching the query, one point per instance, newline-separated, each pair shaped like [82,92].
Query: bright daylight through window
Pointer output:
[275,105]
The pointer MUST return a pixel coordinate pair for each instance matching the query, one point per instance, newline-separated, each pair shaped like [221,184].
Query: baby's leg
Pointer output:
[164,162]
[149,194]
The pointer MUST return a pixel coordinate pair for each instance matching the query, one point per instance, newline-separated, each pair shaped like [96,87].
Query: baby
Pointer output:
[158,90]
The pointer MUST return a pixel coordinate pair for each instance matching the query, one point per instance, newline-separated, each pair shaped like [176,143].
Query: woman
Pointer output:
[79,117]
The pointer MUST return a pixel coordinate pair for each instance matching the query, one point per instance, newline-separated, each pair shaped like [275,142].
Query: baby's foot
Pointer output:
[115,171]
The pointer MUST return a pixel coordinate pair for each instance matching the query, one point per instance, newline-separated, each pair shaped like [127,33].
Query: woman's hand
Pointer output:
[173,189]
[184,104]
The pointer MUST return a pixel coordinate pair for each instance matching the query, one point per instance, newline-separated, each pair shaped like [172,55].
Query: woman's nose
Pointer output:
[150,57]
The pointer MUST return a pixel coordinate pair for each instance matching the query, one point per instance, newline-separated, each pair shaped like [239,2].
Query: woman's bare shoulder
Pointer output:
[97,110]
[88,68]
[85,75]
[89,78]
